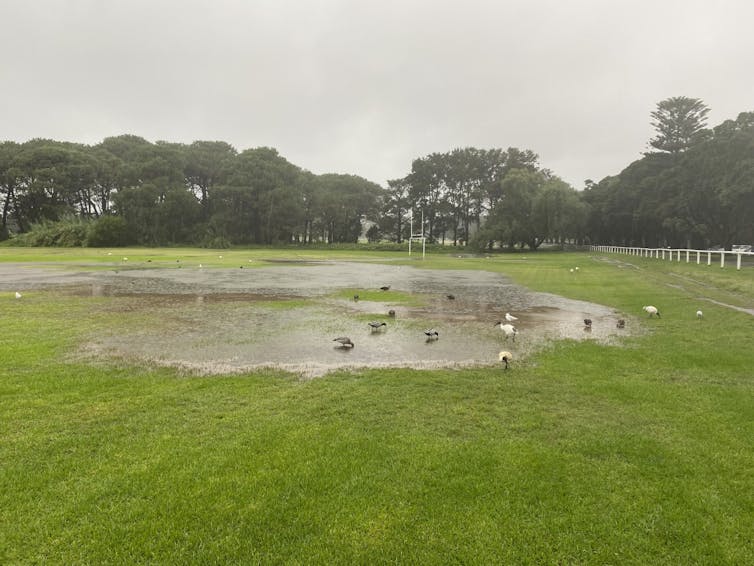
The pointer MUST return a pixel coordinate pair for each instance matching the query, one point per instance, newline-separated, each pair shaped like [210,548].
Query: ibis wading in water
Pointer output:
[508,329]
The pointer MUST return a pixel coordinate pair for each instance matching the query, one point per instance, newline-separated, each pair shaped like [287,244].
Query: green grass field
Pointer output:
[583,454]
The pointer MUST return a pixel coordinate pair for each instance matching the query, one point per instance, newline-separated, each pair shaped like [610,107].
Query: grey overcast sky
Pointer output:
[366,86]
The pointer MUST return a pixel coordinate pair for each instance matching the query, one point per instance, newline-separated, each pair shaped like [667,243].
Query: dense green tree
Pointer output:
[345,201]
[266,180]
[395,208]
[207,165]
[679,122]
[559,213]
[427,187]
[9,181]
[42,193]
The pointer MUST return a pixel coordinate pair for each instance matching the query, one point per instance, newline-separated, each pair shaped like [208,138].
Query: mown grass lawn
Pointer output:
[583,454]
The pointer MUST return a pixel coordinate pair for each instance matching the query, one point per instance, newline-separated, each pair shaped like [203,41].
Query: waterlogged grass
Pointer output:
[583,454]
[285,304]
[390,297]
[164,257]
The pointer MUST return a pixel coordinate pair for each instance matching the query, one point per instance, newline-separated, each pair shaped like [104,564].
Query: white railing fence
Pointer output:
[676,254]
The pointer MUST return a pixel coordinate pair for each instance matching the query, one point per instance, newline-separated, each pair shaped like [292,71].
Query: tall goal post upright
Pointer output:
[417,236]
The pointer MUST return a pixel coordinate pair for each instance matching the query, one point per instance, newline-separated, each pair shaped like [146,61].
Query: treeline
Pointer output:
[696,193]
[127,190]
[695,188]
[487,198]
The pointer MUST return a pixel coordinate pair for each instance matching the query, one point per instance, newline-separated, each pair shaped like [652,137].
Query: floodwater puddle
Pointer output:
[214,321]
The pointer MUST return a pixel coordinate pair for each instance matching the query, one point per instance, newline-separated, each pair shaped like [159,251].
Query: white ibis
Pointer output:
[510,318]
[505,357]
[652,310]
[508,329]
[699,315]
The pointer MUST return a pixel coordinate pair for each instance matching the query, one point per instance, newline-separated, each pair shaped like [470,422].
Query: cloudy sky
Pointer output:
[366,86]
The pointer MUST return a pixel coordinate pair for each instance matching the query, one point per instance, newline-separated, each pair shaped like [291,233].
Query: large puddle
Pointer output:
[286,316]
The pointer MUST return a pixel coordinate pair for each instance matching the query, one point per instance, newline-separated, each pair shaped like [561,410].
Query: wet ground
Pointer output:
[286,315]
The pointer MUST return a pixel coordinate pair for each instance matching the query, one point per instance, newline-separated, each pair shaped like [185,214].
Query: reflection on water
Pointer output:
[222,320]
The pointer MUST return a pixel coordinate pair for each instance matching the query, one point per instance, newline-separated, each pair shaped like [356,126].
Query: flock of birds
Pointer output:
[506,326]
[376,326]
[432,334]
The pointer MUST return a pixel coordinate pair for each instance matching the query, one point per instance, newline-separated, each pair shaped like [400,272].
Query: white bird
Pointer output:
[505,357]
[18,295]
[652,310]
[576,268]
[571,270]
[508,329]
[699,314]
[510,318]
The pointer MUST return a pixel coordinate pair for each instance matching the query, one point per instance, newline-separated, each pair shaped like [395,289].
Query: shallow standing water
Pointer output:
[287,315]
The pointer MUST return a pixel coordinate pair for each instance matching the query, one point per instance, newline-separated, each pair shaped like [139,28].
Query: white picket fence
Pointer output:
[670,254]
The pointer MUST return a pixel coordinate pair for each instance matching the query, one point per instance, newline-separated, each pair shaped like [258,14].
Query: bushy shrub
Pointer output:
[68,232]
[109,231]
[72,235]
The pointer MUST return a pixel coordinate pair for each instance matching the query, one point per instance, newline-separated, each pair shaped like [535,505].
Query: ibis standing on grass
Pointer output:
[505,357]
[652,310]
